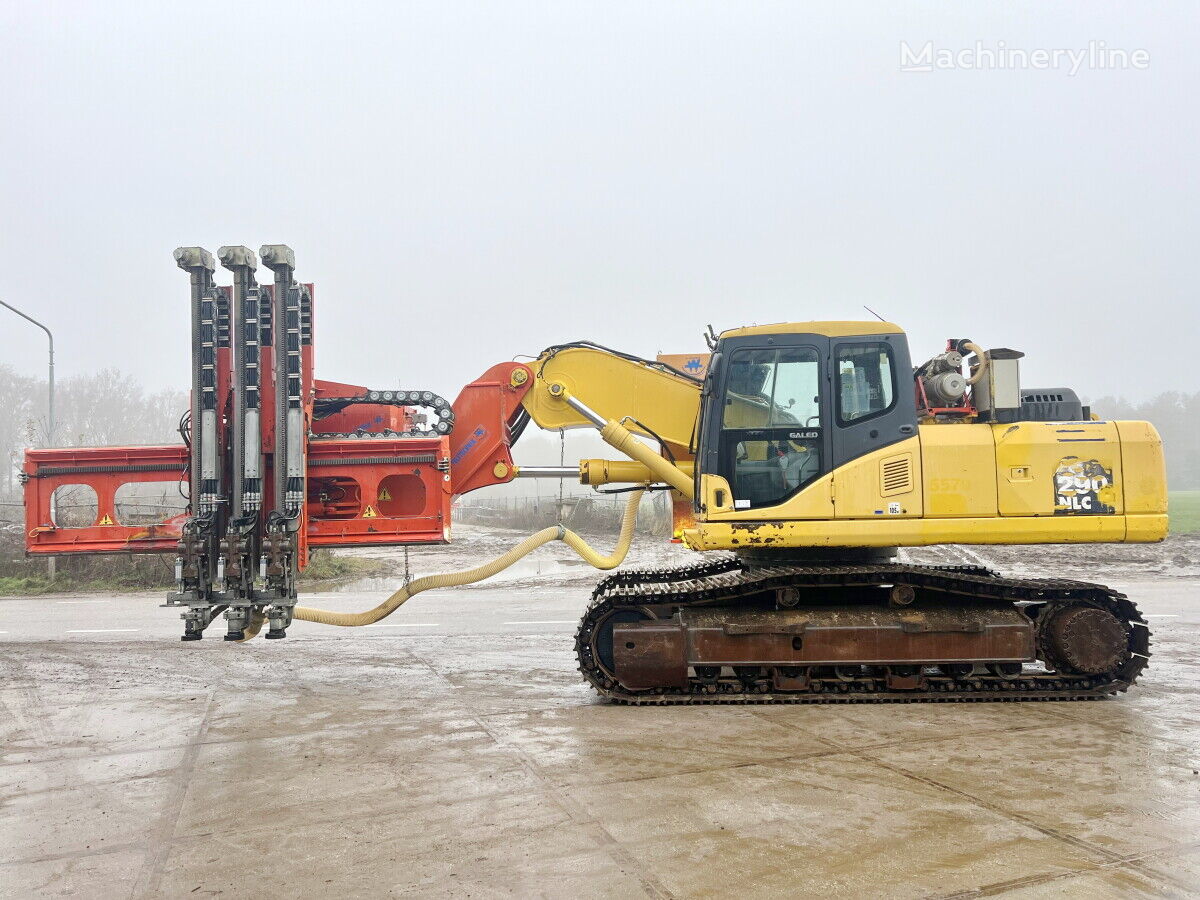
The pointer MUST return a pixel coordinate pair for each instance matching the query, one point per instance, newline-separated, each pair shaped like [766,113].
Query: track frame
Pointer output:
[659,594]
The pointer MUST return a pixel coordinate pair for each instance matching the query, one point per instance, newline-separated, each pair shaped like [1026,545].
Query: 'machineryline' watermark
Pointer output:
[1097,55]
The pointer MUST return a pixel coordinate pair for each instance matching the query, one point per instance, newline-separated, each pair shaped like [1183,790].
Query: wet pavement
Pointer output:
[466,758]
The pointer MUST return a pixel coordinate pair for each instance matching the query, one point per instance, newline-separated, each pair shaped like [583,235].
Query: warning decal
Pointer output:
[370,513]
[106,519]
[384,494]
[1083,488]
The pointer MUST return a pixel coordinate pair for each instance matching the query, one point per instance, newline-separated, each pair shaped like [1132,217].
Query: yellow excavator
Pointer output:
[810,452]
[807,455]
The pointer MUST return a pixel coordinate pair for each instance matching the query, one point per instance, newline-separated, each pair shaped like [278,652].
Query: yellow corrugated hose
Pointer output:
[470,576]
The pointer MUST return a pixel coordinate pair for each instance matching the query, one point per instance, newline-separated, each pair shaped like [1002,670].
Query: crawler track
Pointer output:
[660,593]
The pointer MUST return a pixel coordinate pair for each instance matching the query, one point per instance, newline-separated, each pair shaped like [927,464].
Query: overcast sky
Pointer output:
[469,182]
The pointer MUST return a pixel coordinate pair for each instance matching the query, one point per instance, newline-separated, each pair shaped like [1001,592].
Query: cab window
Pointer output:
[773,388]
[771,434]
[866,381]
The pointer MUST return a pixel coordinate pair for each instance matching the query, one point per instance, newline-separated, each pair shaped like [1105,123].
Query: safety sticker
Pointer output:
[1084,488]
[384,494]
[106,519]
[370,513]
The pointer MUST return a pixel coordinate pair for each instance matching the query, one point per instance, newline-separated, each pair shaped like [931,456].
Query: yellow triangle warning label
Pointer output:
[370,513]
[106,519]
[384,494]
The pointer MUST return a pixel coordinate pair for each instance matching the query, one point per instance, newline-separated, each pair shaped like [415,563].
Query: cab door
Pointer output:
[873,400]
[765,433]
[872,408]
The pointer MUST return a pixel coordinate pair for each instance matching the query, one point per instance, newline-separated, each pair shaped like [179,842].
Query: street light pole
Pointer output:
[50,409]
[50,336]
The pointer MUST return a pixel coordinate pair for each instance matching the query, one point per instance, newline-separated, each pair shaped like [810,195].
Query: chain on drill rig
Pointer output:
[438,413]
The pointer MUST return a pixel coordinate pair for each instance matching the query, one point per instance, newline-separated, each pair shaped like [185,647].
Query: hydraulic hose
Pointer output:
[981,354]
[470,576]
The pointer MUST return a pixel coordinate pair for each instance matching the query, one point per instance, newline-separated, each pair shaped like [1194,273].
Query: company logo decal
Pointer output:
[470,445]
[1083,488]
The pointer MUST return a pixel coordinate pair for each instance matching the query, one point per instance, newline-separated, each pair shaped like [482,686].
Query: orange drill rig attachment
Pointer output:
[275,462]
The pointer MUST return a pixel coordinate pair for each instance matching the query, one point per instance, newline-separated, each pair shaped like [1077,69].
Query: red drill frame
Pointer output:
[402,487]
[47,470]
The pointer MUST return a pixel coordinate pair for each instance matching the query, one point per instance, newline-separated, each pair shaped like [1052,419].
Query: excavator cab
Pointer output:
[785,404]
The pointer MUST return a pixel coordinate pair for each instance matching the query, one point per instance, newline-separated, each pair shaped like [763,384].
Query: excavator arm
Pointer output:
[650,398]
[579,385]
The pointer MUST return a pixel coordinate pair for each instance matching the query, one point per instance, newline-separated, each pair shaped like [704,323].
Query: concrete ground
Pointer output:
[457,753]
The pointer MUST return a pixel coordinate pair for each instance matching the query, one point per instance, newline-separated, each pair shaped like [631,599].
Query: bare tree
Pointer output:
[107,408]
[1177,417]
[111,408]
[18,412]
